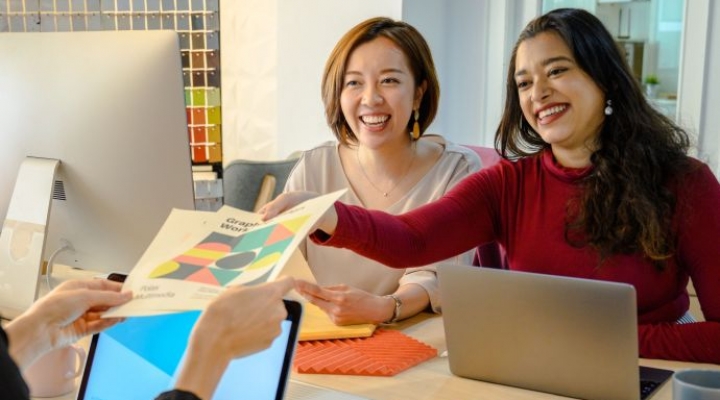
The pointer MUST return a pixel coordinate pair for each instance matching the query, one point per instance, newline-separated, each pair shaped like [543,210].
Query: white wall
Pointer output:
[457,42]
[248,57]
[306,35]
[273,55]
[695,76]
[712,99]
[430,18]
[709,118]
[471,42]
[505,20]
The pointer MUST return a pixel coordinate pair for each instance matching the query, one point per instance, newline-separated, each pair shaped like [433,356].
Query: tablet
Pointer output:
[140,358]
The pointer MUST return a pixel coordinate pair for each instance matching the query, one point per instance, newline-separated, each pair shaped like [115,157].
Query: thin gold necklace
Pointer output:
[402,178]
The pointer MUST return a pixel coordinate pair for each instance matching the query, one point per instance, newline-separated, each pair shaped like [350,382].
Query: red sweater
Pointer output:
[522,206]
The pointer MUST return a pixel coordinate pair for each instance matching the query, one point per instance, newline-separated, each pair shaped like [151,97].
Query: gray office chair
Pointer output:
[248,185]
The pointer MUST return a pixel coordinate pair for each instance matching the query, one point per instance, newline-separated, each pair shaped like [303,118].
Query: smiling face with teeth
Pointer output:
[560,101]
[379,94]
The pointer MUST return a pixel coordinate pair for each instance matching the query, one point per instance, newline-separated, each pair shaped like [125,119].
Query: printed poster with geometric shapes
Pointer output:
[197,254]
[219,259]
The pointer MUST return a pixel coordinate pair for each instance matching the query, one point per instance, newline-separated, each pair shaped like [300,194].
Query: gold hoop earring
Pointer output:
[416,126]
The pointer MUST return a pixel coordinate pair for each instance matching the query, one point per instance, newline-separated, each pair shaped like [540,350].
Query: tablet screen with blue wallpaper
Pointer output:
[141,357]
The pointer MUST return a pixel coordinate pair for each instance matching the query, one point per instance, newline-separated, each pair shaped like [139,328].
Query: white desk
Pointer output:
[432,379]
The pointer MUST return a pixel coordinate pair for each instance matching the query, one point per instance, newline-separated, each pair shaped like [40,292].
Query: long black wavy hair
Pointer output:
[625,206]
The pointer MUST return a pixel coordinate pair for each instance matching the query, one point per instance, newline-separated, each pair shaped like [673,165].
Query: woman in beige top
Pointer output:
[380,92]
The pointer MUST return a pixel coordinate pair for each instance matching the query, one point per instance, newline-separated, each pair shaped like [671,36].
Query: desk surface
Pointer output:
[432,379]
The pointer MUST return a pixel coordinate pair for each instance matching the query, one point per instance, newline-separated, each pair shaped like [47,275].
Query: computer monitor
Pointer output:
[110,106]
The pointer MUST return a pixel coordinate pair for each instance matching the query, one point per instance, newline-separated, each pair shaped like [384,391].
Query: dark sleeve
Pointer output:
[177,395]
[12,384]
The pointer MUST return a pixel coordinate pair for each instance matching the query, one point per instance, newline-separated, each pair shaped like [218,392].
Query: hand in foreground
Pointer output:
[69,312]
[241,321]
[347,305]
[286,201]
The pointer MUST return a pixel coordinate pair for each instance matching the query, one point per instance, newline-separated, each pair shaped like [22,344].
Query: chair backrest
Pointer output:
[489,254]
[488,155]
[248,184]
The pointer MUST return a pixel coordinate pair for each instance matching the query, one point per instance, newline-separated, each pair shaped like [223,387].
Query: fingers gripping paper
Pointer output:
[197,254]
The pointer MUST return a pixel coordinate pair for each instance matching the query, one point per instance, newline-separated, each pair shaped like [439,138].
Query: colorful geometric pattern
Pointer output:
[219,259]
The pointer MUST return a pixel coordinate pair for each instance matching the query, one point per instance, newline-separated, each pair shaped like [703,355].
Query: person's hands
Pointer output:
[241,321]
[69,312]
[286,201]
[347,305]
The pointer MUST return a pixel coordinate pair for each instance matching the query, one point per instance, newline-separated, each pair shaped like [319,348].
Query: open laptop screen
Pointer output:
[140,358]
[569,336]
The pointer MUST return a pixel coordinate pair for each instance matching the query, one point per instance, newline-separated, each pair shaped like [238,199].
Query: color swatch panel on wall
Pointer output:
[196,21]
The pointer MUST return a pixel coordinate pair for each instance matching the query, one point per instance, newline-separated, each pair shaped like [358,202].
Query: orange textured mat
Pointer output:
[385,353]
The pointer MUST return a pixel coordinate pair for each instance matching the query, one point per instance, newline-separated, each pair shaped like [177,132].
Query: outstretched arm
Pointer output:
[286,201]
[457,222]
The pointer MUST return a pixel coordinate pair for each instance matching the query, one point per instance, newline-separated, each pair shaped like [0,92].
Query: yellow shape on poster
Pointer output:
[295,224]
[205,254]
[266,261]
[164,269]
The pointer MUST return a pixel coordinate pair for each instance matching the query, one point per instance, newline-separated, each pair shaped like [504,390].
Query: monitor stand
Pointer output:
[22,241]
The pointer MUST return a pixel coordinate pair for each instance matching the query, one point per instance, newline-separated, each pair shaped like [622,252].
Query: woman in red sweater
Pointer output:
[595,183]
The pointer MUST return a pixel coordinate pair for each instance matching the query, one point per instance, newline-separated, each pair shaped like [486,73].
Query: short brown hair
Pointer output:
[419,58]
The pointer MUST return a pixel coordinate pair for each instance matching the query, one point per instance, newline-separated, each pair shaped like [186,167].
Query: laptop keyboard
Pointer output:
[651,379]
[647,388]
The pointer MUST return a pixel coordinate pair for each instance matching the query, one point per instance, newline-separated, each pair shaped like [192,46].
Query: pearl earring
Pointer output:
[608,108]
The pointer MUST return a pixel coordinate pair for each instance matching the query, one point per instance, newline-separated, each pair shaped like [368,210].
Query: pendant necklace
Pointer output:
[402,178]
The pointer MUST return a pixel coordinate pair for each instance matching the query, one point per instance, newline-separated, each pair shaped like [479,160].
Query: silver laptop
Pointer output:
[567,336]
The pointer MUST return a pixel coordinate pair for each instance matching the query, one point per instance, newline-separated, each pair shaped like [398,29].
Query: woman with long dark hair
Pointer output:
[595,184]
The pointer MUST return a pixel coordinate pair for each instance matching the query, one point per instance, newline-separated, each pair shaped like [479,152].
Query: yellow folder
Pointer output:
[316,325]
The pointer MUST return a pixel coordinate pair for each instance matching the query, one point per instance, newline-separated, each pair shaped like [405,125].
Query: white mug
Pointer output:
[696,384]
[54,374]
